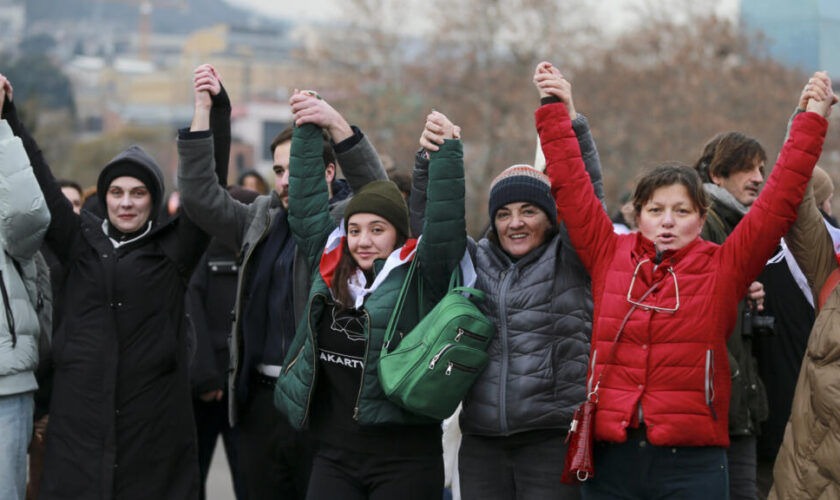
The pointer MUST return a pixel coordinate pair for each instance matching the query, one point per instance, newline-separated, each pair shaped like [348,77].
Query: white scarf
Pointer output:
[357,283]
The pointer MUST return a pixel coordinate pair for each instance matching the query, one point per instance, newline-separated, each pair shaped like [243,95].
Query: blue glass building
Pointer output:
[800,33]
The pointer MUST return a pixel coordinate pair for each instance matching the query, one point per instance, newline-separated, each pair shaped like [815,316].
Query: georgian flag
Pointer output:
[357,282]
[835,238]
[795,271]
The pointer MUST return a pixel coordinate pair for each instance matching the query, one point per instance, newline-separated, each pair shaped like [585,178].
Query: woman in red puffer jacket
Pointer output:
[665,301]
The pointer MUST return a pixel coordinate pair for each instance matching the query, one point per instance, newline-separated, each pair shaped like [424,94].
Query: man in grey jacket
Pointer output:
[24,218]
[272,284]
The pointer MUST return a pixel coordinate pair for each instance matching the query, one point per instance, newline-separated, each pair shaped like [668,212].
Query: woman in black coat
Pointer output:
[121,423]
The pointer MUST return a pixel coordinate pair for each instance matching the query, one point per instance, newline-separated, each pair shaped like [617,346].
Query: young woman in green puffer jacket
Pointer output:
[368,446]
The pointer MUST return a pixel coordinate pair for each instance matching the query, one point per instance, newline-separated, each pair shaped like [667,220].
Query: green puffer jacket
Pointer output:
[748,402]
[441,248]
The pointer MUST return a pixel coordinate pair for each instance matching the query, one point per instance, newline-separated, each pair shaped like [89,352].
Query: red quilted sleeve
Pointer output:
[590,230]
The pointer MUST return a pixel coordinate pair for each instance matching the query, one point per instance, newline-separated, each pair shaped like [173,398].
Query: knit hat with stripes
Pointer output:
[522,183]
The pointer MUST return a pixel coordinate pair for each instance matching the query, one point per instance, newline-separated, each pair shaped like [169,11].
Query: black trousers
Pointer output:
[347,475]
[510,468]
[741,456]
[211,420]
[275,460]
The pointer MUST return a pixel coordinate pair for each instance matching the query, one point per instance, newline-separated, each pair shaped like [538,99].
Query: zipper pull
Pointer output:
[459,335]
[356,413]
[449,369]
[434,361]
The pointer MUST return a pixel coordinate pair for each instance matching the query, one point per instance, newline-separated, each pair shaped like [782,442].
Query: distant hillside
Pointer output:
[198,14]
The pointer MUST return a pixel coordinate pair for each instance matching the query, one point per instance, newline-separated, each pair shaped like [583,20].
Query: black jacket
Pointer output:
[748,402]
[121,423]
[212,293]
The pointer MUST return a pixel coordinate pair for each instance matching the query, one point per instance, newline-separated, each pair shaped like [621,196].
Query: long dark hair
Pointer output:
[346,267]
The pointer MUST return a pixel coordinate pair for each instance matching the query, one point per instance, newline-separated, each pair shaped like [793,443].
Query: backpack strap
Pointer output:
[395,315]
[7,303]
[7,307]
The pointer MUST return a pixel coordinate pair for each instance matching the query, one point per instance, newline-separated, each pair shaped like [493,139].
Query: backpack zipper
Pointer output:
[437,356]
[459,366]
[463,332]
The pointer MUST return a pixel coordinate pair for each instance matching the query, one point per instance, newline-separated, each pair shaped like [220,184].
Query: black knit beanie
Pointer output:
[382,198]
[522,183]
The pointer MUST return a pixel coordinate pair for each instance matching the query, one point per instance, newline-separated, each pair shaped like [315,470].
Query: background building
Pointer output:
[803,34]
[12,22]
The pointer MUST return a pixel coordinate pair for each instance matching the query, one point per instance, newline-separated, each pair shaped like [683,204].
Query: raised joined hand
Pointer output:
[550,82]
[818,95]
[309,107]
[437,129]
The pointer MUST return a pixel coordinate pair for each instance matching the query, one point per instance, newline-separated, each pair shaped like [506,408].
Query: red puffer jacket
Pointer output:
[672,363]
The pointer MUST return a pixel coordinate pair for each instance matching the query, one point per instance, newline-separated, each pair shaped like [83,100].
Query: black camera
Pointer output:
[757,324]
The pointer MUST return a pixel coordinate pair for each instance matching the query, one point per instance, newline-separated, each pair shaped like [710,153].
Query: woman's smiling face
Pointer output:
[370,237]
[520,227]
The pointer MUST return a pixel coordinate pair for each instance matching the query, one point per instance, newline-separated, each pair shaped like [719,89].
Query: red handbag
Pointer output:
[579,464]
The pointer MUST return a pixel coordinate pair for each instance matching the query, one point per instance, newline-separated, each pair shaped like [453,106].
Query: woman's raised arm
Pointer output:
[589,227]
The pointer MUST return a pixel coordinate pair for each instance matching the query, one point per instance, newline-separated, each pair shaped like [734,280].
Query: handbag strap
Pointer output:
[392,323]
[454,285]
[594,393]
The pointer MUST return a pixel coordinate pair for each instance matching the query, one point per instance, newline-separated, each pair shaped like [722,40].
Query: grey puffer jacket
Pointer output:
[541,306]
[24,218]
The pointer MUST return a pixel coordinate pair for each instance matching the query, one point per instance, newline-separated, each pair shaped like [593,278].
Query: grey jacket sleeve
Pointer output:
[24,216]
[417,199]
[205,201]
[790,123]
[360,163]
[589,153]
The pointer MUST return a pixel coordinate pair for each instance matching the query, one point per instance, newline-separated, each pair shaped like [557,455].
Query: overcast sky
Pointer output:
[300,9]
[612,13]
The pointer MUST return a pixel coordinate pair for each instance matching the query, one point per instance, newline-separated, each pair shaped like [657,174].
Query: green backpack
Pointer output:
[430,370]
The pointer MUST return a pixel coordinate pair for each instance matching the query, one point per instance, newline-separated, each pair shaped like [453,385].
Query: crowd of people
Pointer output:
[702,326]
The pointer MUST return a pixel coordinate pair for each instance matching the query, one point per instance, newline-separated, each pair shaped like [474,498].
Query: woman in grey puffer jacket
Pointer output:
[516,416]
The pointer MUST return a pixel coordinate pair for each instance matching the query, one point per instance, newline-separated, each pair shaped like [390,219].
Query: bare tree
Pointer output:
[668,87]
[654,93]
